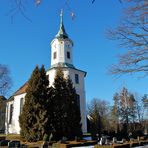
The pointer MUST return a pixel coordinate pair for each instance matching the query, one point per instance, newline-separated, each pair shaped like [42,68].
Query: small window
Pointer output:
[11,112]
[21,104]
[76,78]
[68,55]
[54,55]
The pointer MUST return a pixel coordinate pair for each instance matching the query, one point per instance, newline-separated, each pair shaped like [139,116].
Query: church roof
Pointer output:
[62,33]
[21,90]
[63,65]
[66,65]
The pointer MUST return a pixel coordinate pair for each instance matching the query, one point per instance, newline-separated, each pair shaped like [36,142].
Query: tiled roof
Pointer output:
[21,90]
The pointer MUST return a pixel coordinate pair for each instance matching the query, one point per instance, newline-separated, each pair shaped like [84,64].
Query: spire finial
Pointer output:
[62,33]
[61,15]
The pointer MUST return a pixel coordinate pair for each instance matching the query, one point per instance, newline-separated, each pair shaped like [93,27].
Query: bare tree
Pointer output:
[132,34]
[5,80]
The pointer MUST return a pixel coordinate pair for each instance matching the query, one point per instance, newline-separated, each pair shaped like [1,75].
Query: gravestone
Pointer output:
[13,144]
[4,142]
[114,140]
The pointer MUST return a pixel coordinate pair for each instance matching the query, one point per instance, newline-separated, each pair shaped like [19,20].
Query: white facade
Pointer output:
[61,49]
[12,115]
[61,54]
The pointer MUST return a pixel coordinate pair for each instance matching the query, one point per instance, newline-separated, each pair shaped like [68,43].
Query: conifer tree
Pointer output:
[58,109]
[66,113]
[34,118]
[73,112]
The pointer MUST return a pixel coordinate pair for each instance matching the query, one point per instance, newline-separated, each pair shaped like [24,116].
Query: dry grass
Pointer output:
[2,135]
[13,137]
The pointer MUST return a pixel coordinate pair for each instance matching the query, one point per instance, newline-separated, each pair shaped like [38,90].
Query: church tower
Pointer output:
[62,54]
[61,47]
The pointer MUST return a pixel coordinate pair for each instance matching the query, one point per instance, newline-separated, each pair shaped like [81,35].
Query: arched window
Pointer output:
[54,55]
[76,78]
[21,104]
[68,54]
[11,113]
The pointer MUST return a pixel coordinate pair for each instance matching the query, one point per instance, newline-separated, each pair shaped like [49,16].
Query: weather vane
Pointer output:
[61,14]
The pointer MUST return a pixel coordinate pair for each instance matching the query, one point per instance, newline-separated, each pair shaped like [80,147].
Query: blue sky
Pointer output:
[24,44]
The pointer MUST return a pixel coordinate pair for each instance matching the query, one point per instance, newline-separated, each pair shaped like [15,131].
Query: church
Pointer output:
[61,54]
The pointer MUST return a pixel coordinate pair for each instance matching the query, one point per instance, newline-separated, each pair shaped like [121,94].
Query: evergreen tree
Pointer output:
[73,112]
[58,105]
[66,113]
[34,118]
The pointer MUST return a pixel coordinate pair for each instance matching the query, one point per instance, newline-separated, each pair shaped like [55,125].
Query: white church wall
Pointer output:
[17,100]
[9,126]
[61,48]
[14,126]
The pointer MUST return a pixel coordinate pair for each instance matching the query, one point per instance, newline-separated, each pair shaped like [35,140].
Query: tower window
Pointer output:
[68,54]
[54,55]
[76,78]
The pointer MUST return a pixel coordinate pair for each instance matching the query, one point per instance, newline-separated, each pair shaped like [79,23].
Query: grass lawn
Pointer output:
[13,137]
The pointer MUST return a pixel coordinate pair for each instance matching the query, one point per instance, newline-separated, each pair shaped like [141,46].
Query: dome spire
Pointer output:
[61,33]
[61,15]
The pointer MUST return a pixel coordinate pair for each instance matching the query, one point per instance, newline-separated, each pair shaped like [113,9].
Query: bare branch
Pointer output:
[132,35]
[5,80]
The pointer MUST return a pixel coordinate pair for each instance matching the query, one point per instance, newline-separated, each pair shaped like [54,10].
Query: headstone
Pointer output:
[23,146]
[45,144]
[114,140]
[131,139]
[107,142]
[123,140]
[4,142]
[102,140]
[13,144]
